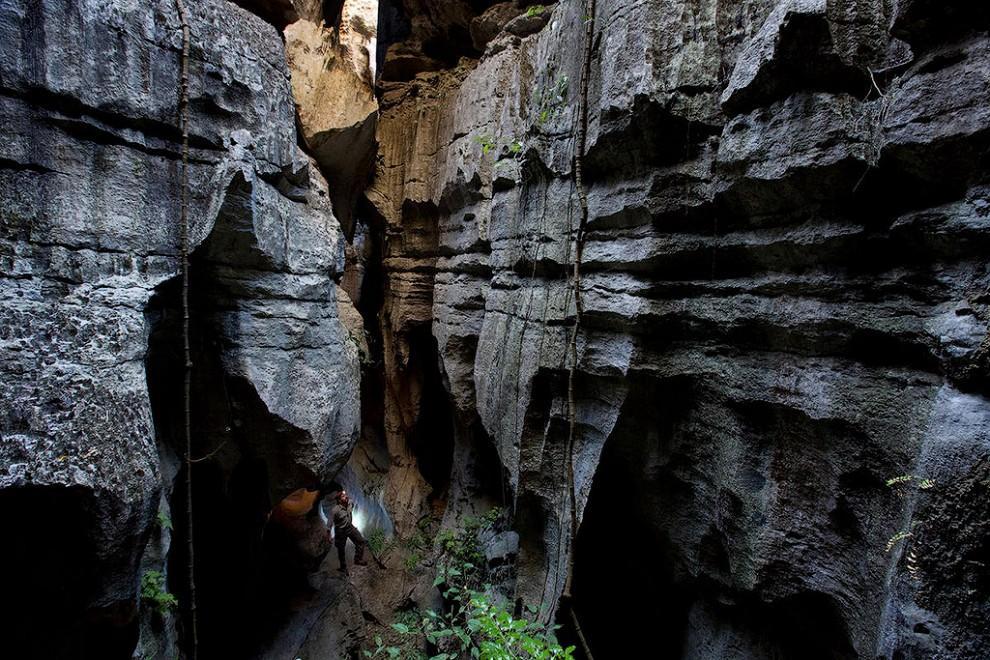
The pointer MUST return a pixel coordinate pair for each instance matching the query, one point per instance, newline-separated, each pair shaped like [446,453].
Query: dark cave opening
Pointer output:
[51,561]
[490,479]
[247,572]
[639,579]
[230,491]
[394,26]
[431,438]
[624,585]
[451,46]
[332,13]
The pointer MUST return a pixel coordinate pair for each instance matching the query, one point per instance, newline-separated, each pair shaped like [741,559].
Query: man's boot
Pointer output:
[359,545]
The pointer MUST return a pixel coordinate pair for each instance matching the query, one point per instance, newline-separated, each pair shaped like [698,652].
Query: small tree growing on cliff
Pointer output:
[153,591]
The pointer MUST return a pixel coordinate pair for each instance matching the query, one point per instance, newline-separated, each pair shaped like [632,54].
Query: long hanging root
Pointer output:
[579,149]
[187,353]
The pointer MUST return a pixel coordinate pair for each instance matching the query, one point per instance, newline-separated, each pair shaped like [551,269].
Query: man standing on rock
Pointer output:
[343,529]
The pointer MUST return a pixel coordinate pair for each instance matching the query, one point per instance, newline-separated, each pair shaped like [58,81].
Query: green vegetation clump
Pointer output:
[377,541]
[486,142]
[551,99]
[472,624]
[477,627]
[154,591]
[535,10]
[164,522]
[461,560]
[412,560]
[419,544]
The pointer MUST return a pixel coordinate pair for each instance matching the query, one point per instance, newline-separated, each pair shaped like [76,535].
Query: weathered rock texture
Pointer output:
[786,304]
[333,77]
[277,12]
[89,235]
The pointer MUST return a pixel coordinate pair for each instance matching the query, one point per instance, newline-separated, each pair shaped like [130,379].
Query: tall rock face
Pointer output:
[785,306]
[90,375]
[332,57]
[782,427]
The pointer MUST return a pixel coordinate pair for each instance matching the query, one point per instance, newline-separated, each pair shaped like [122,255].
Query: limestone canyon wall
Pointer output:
[89,240]
[783,431]
[785,292]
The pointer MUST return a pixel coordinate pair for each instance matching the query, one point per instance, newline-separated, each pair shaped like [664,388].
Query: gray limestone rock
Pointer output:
[784,307]
[89,235]
[784,289]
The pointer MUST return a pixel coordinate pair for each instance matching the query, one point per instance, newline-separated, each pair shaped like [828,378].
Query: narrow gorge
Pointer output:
[632,328]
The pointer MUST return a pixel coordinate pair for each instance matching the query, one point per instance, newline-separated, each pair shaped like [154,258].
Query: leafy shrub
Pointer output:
[550,99]
[486,142]
[479,628]
[461,560]
[377,541]
[413,559]
[164,522]
[154,591]
[535,10]
[473,625]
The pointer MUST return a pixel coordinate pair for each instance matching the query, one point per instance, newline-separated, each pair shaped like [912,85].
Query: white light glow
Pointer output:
[357,519]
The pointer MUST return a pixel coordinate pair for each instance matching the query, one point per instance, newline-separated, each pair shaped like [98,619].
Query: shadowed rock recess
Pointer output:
[782,418]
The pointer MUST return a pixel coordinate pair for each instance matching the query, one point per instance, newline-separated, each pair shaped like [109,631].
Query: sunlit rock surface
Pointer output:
[332,60]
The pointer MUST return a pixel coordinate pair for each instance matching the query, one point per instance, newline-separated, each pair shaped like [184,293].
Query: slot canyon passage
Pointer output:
[633,328]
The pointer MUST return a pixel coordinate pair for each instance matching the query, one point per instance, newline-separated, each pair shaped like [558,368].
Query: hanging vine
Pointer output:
[579,149]
[187,353]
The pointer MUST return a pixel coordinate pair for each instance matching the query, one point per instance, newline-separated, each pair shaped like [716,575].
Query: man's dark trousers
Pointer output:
[340,540]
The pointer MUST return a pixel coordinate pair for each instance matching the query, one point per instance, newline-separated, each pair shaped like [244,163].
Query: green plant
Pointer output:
[515,148]
[478,627]
[413,559]
[486,142]
[535,10]
[461,559]
[164,522]
[376,540]
[551,98]
[422,538]
[472,624]
[154,591]
[382,651]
